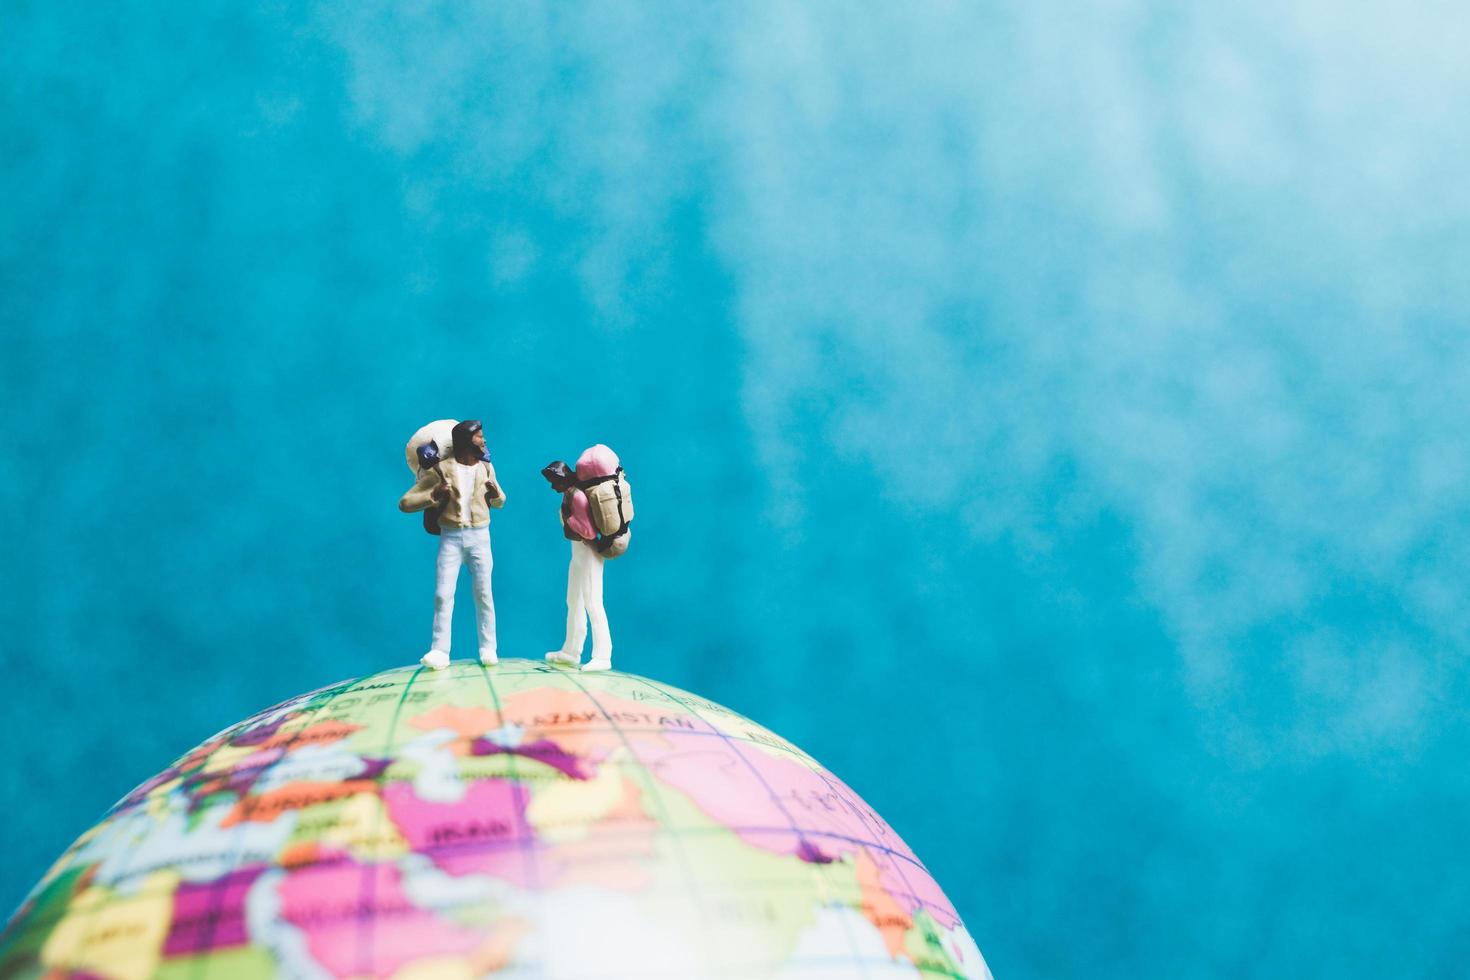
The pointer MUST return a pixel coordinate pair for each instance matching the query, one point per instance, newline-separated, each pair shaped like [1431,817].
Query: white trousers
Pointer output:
[584,603]
[464,546]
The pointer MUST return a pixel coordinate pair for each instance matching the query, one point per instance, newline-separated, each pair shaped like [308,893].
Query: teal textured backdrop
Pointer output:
[1049,416]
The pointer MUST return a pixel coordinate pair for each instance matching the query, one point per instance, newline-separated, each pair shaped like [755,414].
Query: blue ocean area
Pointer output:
[1051,417]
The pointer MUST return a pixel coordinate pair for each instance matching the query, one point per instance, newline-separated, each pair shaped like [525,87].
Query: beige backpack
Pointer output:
[610,505]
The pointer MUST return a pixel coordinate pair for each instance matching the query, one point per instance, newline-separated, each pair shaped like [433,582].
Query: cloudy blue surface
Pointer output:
[1052,417]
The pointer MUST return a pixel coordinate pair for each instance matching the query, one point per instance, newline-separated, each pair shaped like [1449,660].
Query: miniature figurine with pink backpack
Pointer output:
[609,500]
[596,514]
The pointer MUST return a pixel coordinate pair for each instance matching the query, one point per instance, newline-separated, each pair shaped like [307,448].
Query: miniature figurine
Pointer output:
[459,491]
[596,510]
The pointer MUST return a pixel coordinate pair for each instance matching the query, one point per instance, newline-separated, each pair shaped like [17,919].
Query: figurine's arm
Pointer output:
[576,516]
[421,496]
[494,493]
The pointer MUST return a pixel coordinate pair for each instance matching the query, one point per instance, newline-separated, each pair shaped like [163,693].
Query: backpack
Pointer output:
[425,448]
[610,505]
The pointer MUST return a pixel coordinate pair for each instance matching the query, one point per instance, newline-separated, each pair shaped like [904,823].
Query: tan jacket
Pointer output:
[421,496]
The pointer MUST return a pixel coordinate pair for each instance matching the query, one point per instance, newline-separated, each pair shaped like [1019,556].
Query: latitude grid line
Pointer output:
[485,846]
[504,671]
[370,869]
[787,748]
[749,885]
[819,871]
[551,730]
[821,773]
[913,893]
[216,893]
[802,756]
[692,881]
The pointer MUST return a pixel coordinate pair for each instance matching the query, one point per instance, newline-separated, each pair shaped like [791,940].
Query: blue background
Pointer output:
[1052,417]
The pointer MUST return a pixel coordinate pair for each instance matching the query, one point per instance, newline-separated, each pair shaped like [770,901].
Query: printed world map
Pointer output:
[513,821]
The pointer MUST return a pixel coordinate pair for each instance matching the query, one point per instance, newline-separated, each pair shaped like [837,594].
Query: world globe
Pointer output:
[520,820]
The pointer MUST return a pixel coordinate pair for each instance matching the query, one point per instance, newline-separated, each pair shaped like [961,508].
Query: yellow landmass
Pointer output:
[491,957]
[565,811]
[224,758]
[616,852]
[114,936]
[158,805]
[438,968]
[240,961]
[364,828]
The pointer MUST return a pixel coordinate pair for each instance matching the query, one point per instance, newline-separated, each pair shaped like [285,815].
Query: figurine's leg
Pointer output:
[601,658]
[481,563]
[571,648]
[450,557]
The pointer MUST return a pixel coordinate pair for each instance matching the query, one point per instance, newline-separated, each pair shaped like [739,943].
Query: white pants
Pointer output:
[584,602]
[457,546]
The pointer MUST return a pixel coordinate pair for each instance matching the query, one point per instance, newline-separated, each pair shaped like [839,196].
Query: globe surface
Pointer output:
[520,820]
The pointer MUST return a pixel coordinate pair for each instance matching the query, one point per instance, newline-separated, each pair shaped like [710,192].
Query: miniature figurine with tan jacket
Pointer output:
[461,490]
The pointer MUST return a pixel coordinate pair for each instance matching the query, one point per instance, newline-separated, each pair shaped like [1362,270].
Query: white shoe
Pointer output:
[563,658]
[598,663]
[488,658]
[435,659]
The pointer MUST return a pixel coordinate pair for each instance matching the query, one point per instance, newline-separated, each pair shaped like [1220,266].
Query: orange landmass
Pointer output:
[466,722]
[300,855]
[879,905]
[591,728]
[297,796]
[322,733]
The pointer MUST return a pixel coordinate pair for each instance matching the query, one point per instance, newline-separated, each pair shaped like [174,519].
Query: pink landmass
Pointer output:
[211,915]
[483,833]
[358,920]
[782,805]
[772,801]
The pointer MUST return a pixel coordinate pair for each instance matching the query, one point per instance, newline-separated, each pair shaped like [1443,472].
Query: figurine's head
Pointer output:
[596,461]
[469,440]
[559,475]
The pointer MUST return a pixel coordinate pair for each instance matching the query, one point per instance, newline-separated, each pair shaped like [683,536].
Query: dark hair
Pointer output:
[559,475]
[463,432]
